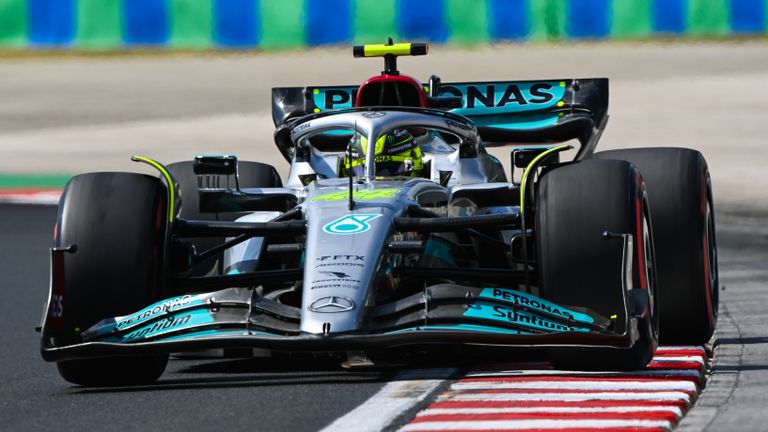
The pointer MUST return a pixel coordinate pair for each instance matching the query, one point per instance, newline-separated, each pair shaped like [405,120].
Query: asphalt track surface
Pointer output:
[84,114]
[192,395]
[308,394]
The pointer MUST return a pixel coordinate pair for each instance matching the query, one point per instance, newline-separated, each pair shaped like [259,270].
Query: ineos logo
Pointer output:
[374,114]
[454,123]
[298,129]
[338,274]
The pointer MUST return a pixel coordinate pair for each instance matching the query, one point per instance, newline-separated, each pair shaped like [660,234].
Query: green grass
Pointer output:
[43,181]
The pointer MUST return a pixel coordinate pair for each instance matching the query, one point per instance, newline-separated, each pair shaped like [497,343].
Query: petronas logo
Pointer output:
[350,224]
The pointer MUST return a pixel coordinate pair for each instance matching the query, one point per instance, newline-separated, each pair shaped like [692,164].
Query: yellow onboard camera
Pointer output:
[381,50]
[390,51]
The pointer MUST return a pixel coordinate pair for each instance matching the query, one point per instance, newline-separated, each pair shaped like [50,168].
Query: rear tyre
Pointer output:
[250,174]
[115,223]
[680,195]
[576,204]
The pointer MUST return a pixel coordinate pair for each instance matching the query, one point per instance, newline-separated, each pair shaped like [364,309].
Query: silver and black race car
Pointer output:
[593,256]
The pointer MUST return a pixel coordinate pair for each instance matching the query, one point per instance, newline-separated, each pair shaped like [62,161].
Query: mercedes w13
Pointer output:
[395,231]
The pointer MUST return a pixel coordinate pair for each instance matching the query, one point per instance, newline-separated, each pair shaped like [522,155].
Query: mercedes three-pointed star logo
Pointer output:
[332,304]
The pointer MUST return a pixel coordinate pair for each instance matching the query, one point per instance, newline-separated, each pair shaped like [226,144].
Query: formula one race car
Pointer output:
[395,231]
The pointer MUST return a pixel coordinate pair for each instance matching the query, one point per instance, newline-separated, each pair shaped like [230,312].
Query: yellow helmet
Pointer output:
[396,154]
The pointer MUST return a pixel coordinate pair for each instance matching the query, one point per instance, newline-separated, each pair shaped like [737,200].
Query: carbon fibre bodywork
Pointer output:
[371,262]
[333,261]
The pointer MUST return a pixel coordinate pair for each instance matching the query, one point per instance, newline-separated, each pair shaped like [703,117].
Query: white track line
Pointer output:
[580,385]
[406,390]
[672,348]
[555,396]
[660,373]
[564,410]
[694,359]
[535,424]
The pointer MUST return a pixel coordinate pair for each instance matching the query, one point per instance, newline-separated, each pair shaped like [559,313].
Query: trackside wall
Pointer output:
[280,24]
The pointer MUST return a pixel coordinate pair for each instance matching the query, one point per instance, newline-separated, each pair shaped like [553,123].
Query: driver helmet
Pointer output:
[396,154]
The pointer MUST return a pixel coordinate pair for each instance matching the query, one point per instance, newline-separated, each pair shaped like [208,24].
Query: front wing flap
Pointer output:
[441,314]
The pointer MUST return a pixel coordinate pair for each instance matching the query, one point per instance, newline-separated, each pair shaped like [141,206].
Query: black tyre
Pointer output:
[115,223]
[577,266]
[113,371]
[250,174]
[680,195]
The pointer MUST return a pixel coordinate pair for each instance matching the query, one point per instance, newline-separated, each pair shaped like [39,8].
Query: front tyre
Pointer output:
[577,266]
[114,223]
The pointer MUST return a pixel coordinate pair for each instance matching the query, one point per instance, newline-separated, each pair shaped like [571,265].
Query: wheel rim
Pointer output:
[710,249]
[650,268]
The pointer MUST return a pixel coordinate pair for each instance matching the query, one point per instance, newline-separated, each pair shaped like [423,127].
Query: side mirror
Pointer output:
[524,156]
[215,164]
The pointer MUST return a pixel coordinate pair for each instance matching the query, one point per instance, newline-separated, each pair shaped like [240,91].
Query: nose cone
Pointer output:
[341,259]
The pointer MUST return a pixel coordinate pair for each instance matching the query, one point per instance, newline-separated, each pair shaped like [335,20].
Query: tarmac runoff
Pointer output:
[734,395]
[528,398]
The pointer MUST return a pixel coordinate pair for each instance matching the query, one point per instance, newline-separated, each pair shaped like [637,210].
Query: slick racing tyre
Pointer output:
[250,174]
[577,203]
[114,226]
[680,195]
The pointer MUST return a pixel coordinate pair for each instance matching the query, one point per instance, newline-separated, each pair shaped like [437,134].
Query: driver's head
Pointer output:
[396,154]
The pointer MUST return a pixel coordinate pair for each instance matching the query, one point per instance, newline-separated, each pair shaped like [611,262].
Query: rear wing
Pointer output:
[505,112]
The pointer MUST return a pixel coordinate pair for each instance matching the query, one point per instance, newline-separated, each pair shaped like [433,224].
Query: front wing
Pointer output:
[441,314]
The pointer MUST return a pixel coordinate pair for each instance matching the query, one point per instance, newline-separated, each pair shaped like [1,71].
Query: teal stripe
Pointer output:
[191,23]
[282,24]
[462,327]
[708,17]
[13,23]
[547,19]
[98,24]
[631,19]
[373,21]
[467,21]
[207,333]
